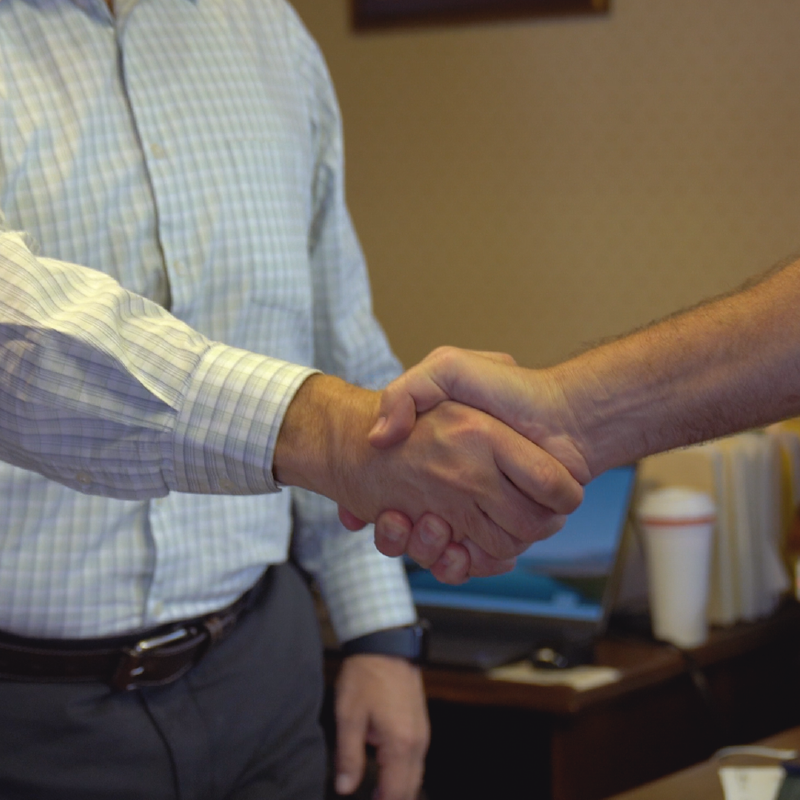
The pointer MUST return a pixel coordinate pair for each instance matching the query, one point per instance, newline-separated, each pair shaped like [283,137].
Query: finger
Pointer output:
[400,768]
[512,524]
[392,531]
[429,538]
[351,733]
[482,565]
[400,776]
[418,390]
[350,520]
[453,566]
[392,693]
[535,472]
[508,520]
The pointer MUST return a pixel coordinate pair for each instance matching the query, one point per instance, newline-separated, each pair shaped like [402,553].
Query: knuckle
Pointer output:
[443,353]
[560,491]
[408,742]
[414,742]
[444,359]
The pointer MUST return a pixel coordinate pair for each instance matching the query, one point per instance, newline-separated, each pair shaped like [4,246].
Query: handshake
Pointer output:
[491,458]
[467,459]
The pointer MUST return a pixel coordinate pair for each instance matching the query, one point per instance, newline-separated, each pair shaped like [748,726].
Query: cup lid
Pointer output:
[676,504]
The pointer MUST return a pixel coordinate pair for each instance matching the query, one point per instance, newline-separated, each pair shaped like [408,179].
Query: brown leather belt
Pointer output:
[151,658]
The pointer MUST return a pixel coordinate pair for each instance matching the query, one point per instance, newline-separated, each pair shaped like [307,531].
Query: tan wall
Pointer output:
[532,186]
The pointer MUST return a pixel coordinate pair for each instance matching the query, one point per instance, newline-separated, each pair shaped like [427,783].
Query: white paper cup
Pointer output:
[678,526]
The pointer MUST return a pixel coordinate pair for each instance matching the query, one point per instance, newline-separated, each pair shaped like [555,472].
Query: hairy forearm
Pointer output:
[323,435]
[725,366]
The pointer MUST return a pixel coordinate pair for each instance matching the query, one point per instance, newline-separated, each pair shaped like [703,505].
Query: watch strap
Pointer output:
[407,642]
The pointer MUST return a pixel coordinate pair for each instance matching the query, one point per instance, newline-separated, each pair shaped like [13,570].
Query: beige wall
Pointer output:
[532,186]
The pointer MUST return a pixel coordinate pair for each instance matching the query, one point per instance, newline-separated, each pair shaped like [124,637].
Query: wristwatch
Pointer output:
[409,642]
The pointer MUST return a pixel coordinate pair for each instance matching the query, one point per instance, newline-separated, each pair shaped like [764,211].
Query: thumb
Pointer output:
[448,373]
[418,390]
[396,416]
[350,520]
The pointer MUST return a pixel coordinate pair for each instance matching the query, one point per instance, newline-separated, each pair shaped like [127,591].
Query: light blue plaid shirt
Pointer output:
[191,150]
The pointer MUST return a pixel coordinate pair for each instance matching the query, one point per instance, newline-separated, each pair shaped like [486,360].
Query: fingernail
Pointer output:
[378,427]
[344,784]
[455,565]
[392,531]
[433,532]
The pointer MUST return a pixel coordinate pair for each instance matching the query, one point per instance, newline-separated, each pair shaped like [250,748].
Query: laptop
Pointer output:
[551,607]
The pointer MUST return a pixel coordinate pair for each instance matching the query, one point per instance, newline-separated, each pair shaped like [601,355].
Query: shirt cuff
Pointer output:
[228,426]
[363,590]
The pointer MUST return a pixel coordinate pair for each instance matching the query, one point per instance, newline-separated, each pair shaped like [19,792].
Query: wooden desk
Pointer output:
[497,739]
[702,782]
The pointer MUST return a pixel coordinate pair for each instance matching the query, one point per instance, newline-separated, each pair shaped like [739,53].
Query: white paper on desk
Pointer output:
[579,678]
[751,783]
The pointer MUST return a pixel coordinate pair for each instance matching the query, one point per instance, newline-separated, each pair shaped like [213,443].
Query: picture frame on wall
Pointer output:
[387,13]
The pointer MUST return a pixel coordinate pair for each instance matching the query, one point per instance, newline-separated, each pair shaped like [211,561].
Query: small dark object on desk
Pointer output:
[547,658]
[563,653]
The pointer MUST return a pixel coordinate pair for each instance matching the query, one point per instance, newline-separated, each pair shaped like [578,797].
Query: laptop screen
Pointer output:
[565,577]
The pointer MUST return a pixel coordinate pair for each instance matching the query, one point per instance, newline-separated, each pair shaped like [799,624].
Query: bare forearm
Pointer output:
[725,366]
[321,435]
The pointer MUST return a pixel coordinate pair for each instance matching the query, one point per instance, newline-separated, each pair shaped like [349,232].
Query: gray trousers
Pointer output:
[242,725]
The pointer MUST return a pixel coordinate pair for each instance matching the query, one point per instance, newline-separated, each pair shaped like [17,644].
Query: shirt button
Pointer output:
[157,150]
[157,610]
[179,266]
[84,478]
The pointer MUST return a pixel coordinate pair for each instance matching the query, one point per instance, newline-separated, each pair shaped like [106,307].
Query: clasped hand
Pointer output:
[501,470]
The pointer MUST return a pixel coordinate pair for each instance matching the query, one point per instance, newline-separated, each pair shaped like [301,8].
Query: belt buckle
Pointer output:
[130,666]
